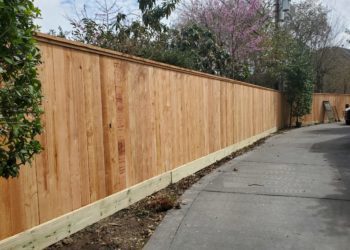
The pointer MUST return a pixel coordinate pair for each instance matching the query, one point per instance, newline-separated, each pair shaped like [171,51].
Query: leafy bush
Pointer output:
[299,77]
[20,89]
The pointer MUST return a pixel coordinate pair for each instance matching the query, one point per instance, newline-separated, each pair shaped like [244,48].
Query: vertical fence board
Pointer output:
[5,216]
[122,119]
[110,124]
[78,88]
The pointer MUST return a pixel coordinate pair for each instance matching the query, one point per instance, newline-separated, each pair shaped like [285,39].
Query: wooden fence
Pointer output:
[118,128]
[318,114]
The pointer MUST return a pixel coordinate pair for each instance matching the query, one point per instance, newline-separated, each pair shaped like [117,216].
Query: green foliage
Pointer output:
[303,102]
[132,38]
[241,43]
[270,65]
[190,46]
[238,40]
[20,89]
[201,49]
[117,31]
[153,13]
[60,33]
[299,77]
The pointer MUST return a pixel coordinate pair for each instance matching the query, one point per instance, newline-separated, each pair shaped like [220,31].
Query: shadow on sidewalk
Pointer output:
[341,129]
[337,152]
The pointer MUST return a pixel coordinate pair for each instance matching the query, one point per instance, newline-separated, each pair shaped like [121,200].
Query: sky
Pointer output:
[339,16]
[55,12]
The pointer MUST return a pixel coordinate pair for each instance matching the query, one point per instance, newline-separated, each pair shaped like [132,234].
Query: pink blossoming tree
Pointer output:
[238,24]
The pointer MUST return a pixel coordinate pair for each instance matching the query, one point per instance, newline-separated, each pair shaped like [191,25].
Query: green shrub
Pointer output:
[299,77]
[20,89]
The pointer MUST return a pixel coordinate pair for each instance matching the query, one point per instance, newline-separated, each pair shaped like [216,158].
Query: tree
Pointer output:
[239,26]
[309,24]
[191,46]
[60,33]
[269,64]
[153,13]
[20,89]
[109,27]
[109,11]
[336,80]
[299,78]
[203,49]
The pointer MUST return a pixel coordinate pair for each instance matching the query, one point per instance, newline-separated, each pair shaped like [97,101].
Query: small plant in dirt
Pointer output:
[162,203]
[20,88]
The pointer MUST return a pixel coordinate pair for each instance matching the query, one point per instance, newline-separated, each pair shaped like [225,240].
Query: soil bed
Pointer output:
[131,228]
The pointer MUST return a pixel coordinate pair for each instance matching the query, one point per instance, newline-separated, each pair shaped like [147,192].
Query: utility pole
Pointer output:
[277,12]
[281,7]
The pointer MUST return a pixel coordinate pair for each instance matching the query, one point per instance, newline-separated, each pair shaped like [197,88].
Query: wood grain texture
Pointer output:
[317,114]
[45,234]
[113,121]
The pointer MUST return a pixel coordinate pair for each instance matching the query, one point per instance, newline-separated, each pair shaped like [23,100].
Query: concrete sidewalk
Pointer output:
[291,193]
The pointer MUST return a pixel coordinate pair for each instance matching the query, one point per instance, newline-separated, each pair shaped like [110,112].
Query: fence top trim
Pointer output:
[44,38]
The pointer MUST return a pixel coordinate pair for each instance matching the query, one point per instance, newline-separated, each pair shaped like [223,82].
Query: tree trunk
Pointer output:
[290,115]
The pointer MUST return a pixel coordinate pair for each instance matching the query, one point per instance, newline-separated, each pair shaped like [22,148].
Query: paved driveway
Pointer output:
[291,193]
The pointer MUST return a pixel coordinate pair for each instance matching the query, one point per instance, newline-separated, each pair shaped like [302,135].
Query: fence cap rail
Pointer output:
[44,38]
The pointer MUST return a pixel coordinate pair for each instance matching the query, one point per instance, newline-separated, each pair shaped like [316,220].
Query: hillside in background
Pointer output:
[337,79]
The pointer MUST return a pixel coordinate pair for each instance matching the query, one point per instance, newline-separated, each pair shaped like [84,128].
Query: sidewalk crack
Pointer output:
[278,195]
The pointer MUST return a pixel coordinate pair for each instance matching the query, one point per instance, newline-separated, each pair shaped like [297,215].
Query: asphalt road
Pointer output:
[293,192]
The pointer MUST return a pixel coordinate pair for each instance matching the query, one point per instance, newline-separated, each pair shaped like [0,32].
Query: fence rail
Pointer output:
[114,121]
